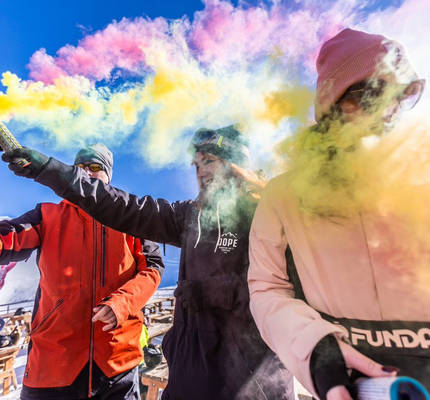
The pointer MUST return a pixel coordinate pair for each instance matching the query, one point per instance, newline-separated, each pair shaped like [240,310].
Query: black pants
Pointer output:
[124,386]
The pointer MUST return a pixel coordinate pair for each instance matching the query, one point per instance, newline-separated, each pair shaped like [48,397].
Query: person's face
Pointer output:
[208,168]
[94,170]
[381,98]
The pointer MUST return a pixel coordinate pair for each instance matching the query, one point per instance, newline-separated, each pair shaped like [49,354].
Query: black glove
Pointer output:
[328,368]
[32,168]
[152,355]
[190,295]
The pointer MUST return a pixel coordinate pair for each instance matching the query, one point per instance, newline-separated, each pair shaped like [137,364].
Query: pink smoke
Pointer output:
[4,269]
[221,34]
[120,45]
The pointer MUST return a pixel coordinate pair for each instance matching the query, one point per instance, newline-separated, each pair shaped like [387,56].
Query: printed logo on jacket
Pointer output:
[400,338]
[227,242]
[395,334]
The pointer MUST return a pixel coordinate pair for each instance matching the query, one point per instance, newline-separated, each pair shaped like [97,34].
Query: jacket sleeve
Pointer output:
[289,326]
[20,236]
[147,218]
[131,297]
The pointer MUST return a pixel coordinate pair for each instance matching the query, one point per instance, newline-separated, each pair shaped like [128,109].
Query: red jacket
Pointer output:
[82,264]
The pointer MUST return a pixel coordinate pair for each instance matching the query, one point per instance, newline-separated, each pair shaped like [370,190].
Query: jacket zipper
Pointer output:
[42,321]
[94,272]
[103,269]
[47,315]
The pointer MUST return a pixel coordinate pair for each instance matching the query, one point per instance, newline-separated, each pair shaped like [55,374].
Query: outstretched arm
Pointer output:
[146,217]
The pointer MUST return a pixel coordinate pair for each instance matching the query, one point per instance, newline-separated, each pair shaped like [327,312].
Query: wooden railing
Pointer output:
[10,308]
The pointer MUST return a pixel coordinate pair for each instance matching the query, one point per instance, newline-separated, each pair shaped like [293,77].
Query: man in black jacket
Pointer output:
[213,350]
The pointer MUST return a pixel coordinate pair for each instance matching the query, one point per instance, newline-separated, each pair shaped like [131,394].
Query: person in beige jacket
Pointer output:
[332,293]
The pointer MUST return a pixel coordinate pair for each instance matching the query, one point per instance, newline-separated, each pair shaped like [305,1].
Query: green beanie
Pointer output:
[226,143]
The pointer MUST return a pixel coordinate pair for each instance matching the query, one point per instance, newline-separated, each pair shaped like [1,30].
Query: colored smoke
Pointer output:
[151,83]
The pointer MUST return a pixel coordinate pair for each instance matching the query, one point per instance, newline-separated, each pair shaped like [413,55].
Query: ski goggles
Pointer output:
[366,93]
[93,167]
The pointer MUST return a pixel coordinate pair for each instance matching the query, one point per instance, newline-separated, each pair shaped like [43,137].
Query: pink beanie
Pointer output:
[348,58]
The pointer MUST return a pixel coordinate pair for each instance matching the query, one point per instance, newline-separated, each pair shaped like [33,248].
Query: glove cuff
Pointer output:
[328,368]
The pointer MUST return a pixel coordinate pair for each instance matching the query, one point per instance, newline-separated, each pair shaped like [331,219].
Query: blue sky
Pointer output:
[29,25]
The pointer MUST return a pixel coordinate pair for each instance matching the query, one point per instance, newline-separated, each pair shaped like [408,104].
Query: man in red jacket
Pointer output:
[94,282]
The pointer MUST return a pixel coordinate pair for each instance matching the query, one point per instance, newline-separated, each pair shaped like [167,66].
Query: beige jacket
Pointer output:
[358,268]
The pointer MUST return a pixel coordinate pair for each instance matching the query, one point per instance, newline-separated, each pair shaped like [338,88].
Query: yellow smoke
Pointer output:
[293,101]
[177,98]
[71,109]
[350,176]
[26,97]
[349,170]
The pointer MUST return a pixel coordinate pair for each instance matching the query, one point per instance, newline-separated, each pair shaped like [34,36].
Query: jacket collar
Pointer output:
[80,211]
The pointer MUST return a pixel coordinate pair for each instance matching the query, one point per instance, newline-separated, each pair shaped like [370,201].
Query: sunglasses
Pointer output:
[93,167]
[366,92]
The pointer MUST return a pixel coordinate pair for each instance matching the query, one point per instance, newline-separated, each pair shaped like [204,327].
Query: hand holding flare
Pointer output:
[8,143]
[34,162]
[355,360]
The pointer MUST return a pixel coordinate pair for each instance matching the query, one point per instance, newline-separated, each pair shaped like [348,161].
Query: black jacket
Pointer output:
[214,348]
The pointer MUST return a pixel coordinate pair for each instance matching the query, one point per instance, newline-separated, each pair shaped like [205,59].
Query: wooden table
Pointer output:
[157,330]
[7,373]
[155,379]
[23,320]
[163,317]
[155,305]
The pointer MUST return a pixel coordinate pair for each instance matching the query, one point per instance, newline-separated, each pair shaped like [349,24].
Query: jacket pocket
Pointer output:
[57,305]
